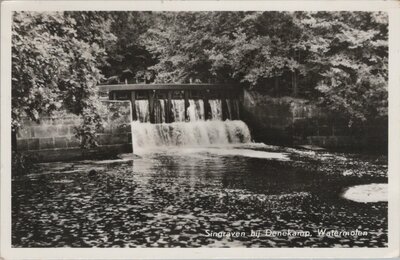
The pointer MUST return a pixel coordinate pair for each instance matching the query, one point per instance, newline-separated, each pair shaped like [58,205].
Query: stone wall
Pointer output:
[54,137]
[293,121]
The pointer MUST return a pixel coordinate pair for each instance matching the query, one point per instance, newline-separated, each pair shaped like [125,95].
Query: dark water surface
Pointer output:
[177,197]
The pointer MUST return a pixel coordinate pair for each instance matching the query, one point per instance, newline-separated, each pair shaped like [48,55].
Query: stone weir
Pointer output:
[167,103]
[182,114]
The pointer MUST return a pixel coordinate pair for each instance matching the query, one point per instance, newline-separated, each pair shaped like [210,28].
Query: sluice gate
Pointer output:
[182,114]
[168,103]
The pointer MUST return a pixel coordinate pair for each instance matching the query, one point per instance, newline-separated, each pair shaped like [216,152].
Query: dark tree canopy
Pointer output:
[340,58]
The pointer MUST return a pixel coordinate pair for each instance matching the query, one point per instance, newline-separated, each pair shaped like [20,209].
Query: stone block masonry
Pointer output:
[53,139]
[295,121]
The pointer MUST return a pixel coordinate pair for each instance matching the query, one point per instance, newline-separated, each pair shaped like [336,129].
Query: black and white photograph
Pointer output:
[199,129]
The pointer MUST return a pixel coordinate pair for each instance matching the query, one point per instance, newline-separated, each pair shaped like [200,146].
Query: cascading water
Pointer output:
[178,110]
[232,106]
[159,111]
[189,133]
[196,110]
[216,109]
[191,129]
[142,110]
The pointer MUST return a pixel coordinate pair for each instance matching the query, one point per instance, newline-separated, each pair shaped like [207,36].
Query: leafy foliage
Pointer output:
[353,63]
[338,57]
[55,63]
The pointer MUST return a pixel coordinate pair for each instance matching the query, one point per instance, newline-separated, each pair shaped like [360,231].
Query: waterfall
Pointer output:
[195,110]
[159,111]
[196,133]
[232,106]
[216,109]
[178,110]
[189,126]
[142,110]
[162,105]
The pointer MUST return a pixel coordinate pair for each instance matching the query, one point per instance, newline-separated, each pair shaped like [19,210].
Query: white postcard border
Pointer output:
[392,7]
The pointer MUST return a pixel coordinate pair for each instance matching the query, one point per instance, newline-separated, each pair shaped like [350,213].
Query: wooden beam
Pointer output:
[207,108]
[197,86]
[133,99]
[168,108]
[151,105]
[224,108]
[186,93]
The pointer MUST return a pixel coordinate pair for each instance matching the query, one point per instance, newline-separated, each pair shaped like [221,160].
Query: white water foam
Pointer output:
[249,153]
[374,192]
[228,151]
[198,133]
[209,138]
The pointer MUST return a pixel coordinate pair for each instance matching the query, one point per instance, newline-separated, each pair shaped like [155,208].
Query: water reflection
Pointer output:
[168,197]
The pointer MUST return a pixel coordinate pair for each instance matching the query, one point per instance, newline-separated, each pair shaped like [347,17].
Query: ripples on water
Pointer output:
[169,196]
